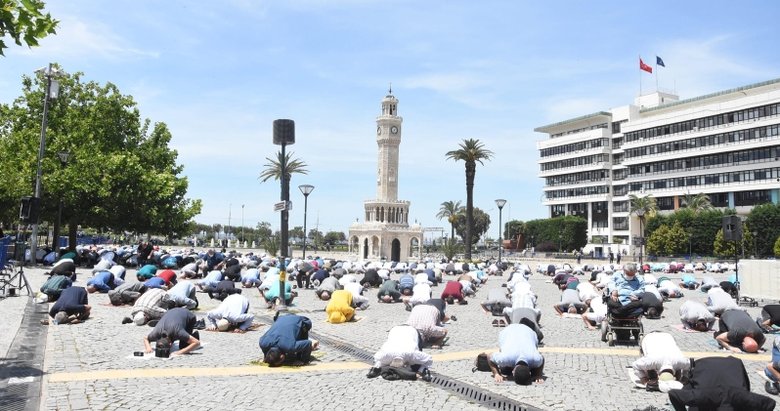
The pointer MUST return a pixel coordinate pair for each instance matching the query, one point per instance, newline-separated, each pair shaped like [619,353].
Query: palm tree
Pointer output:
[448,210]
[697,202]
[643,207]
[471,152]
[276,168]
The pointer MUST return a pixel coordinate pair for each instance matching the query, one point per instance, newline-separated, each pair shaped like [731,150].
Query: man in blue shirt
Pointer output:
[102,282]
[518,356]
[72,306]
[626,290]
[288,339]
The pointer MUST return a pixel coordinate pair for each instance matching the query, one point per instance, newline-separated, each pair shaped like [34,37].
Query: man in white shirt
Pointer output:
[233,313]
[358,299]
[695,316]
[183,295]
[662,362]
[402,349]
[421,293]
[596,313]
[719,301]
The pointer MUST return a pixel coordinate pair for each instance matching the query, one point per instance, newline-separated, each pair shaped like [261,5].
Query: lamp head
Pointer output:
[500,203]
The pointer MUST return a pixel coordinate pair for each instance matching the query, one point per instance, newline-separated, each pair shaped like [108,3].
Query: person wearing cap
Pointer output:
[183,295]
[695,316]
[738,332]
[102,282]
[151,305]
[518,356]
[288,340]
[340,308]
[72,307]
[389,292]
[126,293]
[232,313]
[662,364]
[326,288]
[402,349]
[176,324]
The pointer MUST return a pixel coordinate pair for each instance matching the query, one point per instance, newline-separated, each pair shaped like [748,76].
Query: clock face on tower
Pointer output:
[378,130]
[394,130]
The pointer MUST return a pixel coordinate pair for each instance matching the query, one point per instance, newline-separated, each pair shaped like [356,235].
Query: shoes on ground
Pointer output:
[772,388]
[426,375]
[373,372]
[152,323]
[127,320]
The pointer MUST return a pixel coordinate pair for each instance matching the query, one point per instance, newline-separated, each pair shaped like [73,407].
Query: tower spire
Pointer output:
[390,90]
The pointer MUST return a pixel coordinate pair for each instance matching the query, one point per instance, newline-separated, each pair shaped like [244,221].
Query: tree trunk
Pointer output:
[471,169]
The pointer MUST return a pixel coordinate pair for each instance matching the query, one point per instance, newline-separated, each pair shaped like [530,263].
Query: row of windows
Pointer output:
[734,158]
[616,126]
[565,133]
[570,148]
[575,162]
[576,178]
[704,122]
[708,179]
[706,141]
[620,206]
[576,192]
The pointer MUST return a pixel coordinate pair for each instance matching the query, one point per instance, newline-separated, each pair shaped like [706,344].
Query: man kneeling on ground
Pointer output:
[176,324]
[288,340]
[402,349]
[72,307]
[518,357]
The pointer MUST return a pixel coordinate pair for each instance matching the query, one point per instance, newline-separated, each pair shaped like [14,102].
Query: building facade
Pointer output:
[725,145]
[386,233]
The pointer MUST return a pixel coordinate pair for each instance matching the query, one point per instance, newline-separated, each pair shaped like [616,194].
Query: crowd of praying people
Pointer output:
[168,286]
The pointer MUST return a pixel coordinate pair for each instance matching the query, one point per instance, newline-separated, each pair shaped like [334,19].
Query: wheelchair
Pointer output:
[615,329]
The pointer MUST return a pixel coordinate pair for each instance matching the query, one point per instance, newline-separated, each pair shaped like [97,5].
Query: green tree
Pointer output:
[765,222]
[263,231]
[480,225]
[24,22]
[697,202]
[471,152]
[121,174]
[296,232]
[730,249]
[776,248]
[656,242]
[448,210]
[334,238]
[271,244]
[450,248]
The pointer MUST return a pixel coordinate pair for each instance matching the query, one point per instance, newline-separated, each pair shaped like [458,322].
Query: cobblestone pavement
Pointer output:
[90,365]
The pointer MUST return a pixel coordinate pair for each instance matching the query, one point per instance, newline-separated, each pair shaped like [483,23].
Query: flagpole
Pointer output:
[640,77]
[656,74]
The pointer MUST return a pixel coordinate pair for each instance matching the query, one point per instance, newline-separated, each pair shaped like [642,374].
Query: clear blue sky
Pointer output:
[219,73]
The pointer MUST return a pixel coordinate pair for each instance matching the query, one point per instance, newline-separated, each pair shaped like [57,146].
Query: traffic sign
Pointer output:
[283,205]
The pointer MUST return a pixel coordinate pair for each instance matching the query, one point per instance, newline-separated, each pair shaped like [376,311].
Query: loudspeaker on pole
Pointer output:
[732,228]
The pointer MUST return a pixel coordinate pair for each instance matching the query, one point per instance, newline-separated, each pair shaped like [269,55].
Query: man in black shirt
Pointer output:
[739,332]
[176,324]
[72,307]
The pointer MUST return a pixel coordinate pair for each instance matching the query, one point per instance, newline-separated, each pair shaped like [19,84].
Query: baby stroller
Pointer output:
[622,328]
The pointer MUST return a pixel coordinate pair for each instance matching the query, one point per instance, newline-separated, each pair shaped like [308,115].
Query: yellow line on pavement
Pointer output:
[341,366]
[199,372]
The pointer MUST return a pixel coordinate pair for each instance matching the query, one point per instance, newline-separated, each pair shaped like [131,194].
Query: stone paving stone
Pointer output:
[574,381]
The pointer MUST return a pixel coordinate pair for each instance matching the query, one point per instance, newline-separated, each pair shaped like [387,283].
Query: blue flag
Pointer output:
[659,61]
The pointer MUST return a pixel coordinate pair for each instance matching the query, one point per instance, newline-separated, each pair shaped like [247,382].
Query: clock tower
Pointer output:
[388,138]
[386,233]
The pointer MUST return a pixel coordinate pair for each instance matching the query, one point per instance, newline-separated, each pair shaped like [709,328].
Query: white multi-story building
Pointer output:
[725,144]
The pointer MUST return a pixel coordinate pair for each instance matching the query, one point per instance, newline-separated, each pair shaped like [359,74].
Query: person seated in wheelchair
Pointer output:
[626,290]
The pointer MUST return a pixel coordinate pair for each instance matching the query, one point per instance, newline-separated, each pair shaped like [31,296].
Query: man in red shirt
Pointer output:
[453,290]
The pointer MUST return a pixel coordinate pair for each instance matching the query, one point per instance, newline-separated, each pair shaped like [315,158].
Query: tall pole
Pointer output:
[230,214]
[306,189]
[284,133]
[500,203]
[242,223]
[41,151]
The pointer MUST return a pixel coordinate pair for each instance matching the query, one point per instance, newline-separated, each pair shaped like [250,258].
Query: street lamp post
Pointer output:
[63,156]
[284,134]
[641,214]
[500,203]
[52,88]
[242,223]
[306,189]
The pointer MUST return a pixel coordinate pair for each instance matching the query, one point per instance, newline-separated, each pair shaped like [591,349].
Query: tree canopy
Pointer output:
[121,173]
[24,22]
[481,225]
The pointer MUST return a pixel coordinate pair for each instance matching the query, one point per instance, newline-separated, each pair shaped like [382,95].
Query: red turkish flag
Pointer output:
[645,67]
